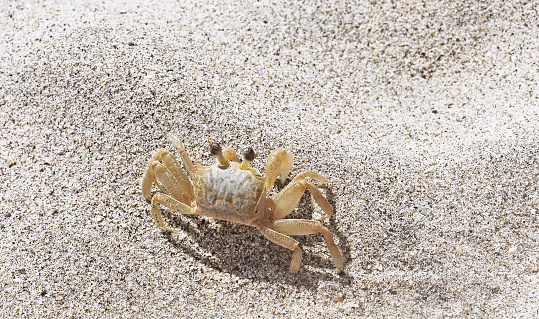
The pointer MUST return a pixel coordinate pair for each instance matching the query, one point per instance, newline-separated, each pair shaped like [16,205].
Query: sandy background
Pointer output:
[423,115]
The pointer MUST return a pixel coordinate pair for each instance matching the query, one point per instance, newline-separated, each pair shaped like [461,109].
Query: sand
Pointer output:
[424,116]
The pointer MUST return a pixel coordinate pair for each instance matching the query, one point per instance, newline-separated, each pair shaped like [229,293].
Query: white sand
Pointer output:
[423,115]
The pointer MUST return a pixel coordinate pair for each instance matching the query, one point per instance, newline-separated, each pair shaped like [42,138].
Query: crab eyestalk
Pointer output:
[248,157]
[215,150]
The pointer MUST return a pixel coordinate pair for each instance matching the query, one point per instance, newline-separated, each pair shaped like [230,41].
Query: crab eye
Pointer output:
[215,149]
[249,154]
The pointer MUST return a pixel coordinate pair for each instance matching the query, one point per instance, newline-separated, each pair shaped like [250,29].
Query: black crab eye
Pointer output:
[215,149]
[249,154]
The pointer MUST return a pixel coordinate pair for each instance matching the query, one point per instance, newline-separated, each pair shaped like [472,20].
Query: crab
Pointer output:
[231,190]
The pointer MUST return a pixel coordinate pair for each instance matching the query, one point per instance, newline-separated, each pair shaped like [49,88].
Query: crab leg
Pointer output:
[305,227]
[179,174]
[287,199]
[172,204]
[169,177]
[169,182]
[147,181]
[186,160]
[312,175]
[286,242]
[149,177]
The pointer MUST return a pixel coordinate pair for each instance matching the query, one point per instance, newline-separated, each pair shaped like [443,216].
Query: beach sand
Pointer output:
[424,116]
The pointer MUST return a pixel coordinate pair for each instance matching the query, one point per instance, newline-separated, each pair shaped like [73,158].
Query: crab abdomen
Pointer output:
[228,193]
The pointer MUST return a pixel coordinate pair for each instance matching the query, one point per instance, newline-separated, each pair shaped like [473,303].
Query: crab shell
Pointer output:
[229,193]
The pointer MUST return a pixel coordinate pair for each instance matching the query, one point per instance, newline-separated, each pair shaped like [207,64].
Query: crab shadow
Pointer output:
[244,252]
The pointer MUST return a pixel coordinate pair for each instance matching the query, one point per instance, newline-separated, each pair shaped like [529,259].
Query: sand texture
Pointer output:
[424,116]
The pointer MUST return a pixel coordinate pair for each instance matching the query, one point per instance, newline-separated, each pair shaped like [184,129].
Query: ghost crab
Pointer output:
[231,190]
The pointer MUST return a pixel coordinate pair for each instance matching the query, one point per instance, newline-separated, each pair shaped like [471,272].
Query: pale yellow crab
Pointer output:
[231,190]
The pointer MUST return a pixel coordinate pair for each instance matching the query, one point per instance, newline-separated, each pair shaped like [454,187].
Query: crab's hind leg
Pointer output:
[286,242]
[287,199]
[172,204]
[279,164]
[306,227]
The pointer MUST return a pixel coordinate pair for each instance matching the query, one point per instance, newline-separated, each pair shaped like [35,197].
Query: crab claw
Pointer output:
[279,164]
